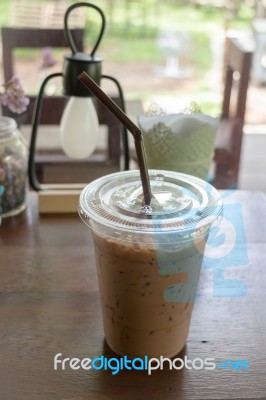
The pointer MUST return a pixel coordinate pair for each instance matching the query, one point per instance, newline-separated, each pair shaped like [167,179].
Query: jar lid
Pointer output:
[181,203]
[7,126]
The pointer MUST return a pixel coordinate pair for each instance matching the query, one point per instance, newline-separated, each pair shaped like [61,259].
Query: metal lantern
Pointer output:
[76,143]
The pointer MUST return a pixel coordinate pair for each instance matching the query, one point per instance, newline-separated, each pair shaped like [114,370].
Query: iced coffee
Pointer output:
[146,312]
[148,265]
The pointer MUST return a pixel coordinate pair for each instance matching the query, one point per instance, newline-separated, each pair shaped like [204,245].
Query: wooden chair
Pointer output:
[40,14]
[33,38]
[238,58]
[53,106]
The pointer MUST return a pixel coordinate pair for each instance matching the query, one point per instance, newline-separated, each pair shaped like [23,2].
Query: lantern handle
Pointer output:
[67,31]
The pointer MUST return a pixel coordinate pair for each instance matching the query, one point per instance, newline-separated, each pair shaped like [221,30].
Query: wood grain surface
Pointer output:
[49,304]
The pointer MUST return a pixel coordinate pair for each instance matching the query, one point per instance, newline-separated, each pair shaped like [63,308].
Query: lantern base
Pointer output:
[60,199]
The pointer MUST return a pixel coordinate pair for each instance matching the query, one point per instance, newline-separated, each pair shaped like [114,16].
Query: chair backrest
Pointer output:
[238,57]
[48,14]
[237,72]
[14,38]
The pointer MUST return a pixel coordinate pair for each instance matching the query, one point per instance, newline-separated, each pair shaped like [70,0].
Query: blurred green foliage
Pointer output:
[133,28]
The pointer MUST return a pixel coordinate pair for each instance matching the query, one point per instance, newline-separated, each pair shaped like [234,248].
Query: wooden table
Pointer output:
[50,304]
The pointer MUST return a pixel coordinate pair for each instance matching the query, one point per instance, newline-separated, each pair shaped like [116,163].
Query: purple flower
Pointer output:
[14,97]
[47,58]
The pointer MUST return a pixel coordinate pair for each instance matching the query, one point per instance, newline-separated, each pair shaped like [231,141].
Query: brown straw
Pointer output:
[129,124]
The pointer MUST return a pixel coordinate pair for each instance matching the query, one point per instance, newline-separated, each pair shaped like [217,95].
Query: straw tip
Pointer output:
[83,75]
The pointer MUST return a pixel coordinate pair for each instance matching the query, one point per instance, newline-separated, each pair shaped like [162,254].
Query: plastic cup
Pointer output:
[148,261]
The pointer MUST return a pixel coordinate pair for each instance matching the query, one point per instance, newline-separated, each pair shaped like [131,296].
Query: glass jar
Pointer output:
[13,168]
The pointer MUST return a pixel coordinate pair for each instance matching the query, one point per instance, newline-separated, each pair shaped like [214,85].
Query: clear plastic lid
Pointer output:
[181,203]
